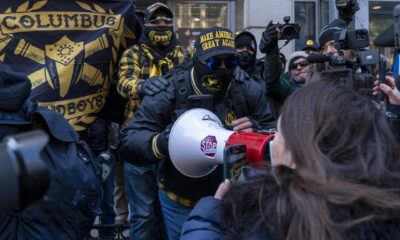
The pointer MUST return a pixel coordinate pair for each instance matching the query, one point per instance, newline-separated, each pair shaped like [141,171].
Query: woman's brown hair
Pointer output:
[345,154]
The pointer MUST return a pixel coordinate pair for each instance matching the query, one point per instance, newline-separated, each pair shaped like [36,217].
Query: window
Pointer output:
[304,14]
[324,13]
[192,17]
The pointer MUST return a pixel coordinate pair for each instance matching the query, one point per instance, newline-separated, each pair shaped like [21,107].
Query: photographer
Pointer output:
[327,42]
[277,87]
[68,208]
[327,47]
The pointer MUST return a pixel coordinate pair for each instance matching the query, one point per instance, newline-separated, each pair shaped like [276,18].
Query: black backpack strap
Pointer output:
[238,100]
[182,91]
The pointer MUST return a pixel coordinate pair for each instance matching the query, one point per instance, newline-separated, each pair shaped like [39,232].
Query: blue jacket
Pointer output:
[204,221]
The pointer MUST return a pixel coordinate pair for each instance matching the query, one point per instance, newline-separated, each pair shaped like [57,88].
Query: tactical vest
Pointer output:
[235,98]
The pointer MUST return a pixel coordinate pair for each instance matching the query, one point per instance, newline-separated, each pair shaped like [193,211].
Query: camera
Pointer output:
[347,9]
[359,81]
[355,75]
[288,30]
[24,175]
[341,3]
[351,39]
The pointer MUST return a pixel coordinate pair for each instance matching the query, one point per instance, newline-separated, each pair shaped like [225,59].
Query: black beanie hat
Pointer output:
[245,40]
[328,30]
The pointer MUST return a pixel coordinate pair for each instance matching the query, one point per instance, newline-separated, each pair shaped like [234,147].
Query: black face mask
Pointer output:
[213,81]
[246,60]
[159,36]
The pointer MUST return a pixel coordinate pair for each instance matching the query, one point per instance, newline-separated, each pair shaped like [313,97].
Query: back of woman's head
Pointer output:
[334,133]
[344,154]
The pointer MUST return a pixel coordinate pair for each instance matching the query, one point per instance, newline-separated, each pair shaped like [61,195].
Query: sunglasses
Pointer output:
[157,20]
[214,63]
[301,64]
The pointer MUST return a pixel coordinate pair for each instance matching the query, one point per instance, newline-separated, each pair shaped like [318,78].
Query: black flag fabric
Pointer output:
[68,49]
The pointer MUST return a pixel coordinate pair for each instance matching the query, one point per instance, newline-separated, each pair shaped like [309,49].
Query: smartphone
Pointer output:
[234,160]
[201,101]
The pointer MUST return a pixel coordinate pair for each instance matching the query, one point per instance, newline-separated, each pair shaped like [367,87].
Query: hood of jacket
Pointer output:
[254,45]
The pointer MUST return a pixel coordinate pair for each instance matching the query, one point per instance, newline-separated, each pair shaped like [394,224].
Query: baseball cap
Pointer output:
[310,45]
[150,10]
[214,41]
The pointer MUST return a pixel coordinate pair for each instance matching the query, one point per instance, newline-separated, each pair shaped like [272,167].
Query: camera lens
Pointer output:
[288,32]
[360,35]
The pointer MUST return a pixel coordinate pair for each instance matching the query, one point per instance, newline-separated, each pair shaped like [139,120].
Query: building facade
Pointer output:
[191,16]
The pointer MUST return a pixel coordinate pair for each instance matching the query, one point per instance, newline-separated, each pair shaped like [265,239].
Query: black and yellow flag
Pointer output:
[68,50]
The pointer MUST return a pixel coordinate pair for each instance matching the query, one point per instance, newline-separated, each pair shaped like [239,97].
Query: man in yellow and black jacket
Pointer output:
[156,53]
[141,69]
[237,101]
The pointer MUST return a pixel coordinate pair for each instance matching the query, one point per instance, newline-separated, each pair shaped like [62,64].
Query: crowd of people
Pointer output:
[334,168]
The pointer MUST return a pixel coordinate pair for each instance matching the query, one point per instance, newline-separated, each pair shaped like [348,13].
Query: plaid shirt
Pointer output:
[136,66]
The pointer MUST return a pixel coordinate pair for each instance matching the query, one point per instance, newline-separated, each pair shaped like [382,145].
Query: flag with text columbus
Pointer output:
[68,49]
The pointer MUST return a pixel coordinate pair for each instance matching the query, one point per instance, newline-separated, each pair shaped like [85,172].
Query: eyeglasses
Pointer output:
[301,64]
[214,63]
[157,20]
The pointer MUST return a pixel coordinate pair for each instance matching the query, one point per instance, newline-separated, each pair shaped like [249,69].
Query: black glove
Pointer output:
[152,86]
[162,141]
[269,40]
[240,75]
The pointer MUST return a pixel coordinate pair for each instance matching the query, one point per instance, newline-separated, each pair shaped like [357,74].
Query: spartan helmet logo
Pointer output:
[64,62]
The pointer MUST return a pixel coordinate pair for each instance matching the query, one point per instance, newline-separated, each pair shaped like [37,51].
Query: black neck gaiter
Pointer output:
[214,82]
[160,37]
[246,61]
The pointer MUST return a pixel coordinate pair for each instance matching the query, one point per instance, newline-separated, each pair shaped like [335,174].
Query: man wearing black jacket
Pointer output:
[246,45]
[238,102]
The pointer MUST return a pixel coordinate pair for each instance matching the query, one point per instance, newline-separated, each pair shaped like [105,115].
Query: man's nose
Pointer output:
[331,50]
[222,66]
[162,23]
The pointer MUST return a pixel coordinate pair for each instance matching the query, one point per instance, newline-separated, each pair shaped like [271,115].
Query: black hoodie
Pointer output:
[251,70]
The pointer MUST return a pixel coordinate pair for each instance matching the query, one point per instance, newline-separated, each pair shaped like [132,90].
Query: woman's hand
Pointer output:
[390,89]
[223,189]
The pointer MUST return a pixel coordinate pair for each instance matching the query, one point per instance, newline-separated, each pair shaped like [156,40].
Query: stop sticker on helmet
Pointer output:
[209,146]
